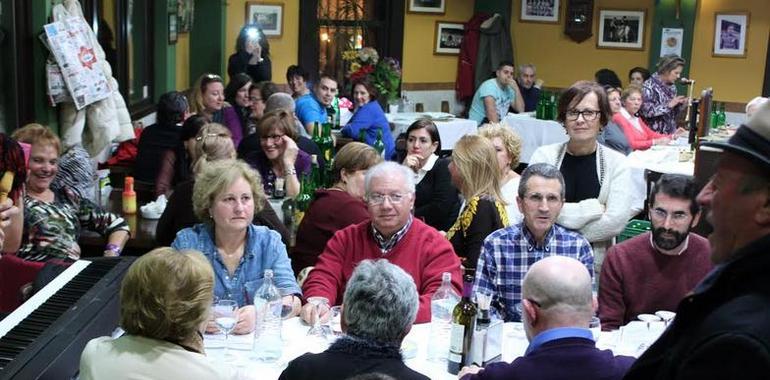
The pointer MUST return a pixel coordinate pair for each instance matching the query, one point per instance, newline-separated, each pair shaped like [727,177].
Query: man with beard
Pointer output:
[655,270]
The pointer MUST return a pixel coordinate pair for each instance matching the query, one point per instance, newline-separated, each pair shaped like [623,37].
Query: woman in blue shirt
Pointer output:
[370,117]
[226,195]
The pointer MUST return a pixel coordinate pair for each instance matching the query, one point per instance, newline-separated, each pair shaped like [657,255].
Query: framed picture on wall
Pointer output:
[184,11]
[427,6]
[269,17]
[730,32]
[621,29]
[540,11]
[448,37]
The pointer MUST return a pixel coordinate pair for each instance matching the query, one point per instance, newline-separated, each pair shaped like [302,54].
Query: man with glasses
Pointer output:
[509,252]
[392,234]
[557,310]
[722,328]
[311,108]
[655,270]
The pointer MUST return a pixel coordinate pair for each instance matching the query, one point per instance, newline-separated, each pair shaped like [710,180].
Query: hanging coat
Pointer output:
[469,47]
[494,47]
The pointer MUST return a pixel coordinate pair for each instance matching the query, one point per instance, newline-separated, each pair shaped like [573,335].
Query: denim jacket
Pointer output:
[263,250]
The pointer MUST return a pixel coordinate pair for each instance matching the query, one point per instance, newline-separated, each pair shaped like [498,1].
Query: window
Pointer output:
[348,24]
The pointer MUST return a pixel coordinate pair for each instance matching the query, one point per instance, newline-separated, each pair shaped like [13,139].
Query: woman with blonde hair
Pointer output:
[208,100]
[639,135]
[336,207]
[213,143]
[226,195]
[475,171]
[164,306]
[508,151]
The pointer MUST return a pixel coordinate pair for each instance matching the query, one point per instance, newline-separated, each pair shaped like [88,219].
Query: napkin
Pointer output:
[154,209]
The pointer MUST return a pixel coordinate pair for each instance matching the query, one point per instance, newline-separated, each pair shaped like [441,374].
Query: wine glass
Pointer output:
[317,329]
[225,316]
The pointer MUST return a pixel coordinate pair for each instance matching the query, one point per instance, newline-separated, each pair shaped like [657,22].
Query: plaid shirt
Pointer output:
[507,255]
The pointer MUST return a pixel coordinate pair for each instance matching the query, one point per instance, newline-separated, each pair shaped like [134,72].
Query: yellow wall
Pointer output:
[733,79]
[283,49]
[560,61]
[183,61]
[420,65]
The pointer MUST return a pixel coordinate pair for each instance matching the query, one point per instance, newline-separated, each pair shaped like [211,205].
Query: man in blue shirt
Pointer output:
[508,253]
[557,307]
[311,108]
[495,95]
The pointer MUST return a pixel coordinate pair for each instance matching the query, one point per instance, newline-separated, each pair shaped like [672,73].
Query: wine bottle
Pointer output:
[463,325]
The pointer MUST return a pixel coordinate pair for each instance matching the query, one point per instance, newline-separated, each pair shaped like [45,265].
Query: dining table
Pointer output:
[534,133]
[141,241]
[450,127]
[674,158]
[631,340]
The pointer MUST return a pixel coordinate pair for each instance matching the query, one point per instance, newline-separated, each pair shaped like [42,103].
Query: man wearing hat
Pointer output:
[722,330]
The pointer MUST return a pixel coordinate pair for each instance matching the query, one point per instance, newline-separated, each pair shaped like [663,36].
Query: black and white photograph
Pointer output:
[540,11]
[621,29]
[449,35]
[730,31]
[269,17]
[427,6]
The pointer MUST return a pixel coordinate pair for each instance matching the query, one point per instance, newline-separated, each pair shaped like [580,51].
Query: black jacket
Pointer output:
[722,330]
[437,201]
[239,63]
[348,357]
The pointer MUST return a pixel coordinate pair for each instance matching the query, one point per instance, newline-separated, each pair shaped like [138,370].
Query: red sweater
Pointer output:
[638,279]
[330,212]
[638,140]
[422,252]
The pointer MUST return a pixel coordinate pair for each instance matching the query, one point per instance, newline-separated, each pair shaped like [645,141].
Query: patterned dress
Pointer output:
[51,230]
[655,110]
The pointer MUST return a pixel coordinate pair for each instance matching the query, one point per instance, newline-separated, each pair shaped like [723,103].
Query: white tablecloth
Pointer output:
[637,338]
[450,128]
[534,133]
[662,159]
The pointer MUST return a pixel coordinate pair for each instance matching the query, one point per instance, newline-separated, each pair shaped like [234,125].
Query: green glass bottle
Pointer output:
[722,120]
[302,202]
[316,137]
[463,325]
[554,104]
[714,116]
[362,135]
[540,106]
[327,143]
[379,146]
[547,106]
[316,178]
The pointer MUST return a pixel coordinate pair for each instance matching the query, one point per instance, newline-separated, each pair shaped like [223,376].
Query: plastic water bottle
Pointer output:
[268,345]
[441,305]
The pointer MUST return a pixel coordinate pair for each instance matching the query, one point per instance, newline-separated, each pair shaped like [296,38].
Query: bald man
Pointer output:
[557,309]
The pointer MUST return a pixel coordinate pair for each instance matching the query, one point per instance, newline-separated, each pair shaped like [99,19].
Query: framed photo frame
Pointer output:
[546,11]
[172,28]
[269,17]
[731,30]
[449,35]
[185,10]
[427,6]
[621,29]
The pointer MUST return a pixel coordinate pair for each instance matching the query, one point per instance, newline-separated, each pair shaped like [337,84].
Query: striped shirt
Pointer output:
[507,255]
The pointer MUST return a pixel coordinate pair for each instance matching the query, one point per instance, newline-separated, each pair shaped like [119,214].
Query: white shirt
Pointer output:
[425,168]
[631,118]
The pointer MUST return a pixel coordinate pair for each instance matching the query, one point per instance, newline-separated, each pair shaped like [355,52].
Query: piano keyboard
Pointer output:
[46,334]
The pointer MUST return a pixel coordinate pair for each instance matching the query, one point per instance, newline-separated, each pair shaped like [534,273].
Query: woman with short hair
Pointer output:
[252,54]
[597,179]
[237,95]
[639,135]
[638,75]
[660,103]
[612,135]
[336,207]
[279,157]
[508,151]
[226,195]
[475,171]
[165,299]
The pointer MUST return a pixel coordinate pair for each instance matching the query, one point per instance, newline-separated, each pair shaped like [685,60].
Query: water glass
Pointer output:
[225,316]
[317,329]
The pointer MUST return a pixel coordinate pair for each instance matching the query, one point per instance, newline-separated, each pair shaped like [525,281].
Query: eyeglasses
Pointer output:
[676,217]
[537,198]
[588,115]
[378,199]
[271,137]
[255,99]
